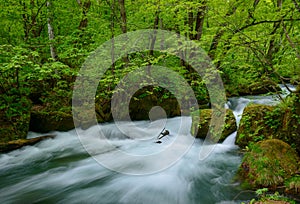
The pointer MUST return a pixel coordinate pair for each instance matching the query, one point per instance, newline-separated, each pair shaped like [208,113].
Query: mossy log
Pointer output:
[16,144]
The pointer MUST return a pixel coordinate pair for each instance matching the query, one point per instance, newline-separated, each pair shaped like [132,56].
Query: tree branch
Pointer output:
[296,5]
[262,22]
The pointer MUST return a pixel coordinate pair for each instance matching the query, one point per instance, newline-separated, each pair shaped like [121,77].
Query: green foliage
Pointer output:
[252,45]
[264,196]
[268,164]
[261,191]
[273,118]
[293,185]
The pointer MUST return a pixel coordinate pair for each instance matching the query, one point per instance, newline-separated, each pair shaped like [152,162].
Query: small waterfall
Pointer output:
[238,104]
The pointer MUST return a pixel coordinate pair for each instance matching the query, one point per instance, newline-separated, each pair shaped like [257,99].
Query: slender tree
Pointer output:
[51,32]
[85,6]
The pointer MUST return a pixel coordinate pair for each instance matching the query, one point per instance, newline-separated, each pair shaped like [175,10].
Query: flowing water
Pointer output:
[61,171]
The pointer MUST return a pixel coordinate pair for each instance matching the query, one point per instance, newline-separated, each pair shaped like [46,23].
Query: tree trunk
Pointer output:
[272,47]
[162,42]
[190,23]
[112,29]
[85,8]
[123,25]
[51,32]
[25,21]
[123,16]
[290,40]
[153,40]
[200,22]
[218,36]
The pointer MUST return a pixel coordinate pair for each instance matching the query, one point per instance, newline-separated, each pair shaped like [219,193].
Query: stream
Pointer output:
[61,171]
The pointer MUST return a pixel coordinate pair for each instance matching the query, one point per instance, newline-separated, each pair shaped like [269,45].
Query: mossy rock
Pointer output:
[139,106]
[201,123]
[15,129]
[146,98]
[252,126]
[261,122]
[45,121]
[268,164]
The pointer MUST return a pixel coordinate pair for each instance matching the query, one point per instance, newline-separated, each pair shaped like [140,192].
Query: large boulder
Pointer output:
[261,122]
[140,108]
[269,163]
[252,126]
[201,123]
[140,104]
[45,121]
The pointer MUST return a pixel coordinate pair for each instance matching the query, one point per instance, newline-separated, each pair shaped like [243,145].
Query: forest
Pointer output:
[254,46]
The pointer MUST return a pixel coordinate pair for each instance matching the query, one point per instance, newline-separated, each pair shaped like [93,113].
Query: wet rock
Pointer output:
[201,124]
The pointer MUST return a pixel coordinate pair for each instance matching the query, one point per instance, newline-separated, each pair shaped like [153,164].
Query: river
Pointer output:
[61,171]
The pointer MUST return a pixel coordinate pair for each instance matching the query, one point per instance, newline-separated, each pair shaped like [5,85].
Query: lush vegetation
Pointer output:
[265,197]
[254,44]
[44,43]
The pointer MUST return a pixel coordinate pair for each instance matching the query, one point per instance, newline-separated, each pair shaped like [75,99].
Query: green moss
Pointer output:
[270,198]
[252,125]
[261,122]
[268,164]
[292,185]
[201,123]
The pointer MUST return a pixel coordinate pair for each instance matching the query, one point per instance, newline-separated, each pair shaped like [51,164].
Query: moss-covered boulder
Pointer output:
[261,122]
[139,105]
[201,123]
[139,109]
[43,120]
[269,163]
[252,126]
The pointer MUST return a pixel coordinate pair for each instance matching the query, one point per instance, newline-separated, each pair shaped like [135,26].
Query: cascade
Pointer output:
[61,171]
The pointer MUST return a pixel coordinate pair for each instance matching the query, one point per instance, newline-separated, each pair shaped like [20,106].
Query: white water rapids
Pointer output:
[60,170]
